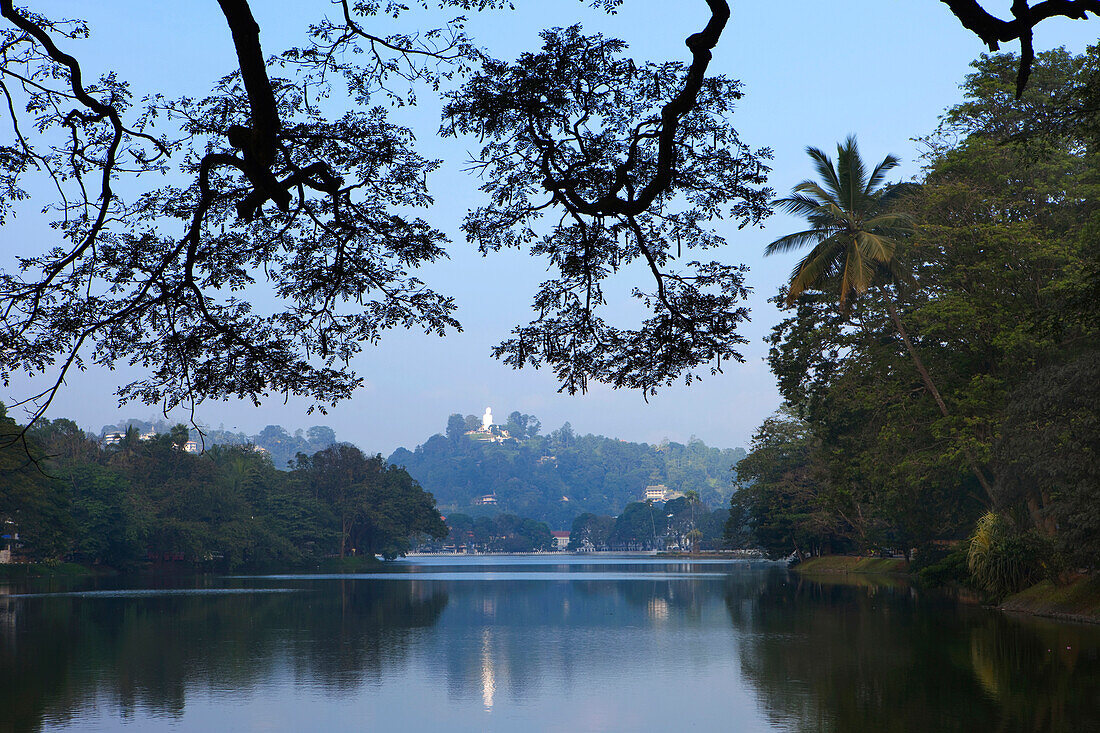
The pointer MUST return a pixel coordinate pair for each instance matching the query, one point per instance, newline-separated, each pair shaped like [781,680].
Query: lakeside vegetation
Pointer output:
[142,502]
[940,358]
[848,564]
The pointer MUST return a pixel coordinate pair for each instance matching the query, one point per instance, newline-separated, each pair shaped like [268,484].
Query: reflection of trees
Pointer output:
[148,652]
[515,635]
[828,657]
[871,658]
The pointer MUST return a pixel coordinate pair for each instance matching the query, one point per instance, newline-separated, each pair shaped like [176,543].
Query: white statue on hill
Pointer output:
[487,418]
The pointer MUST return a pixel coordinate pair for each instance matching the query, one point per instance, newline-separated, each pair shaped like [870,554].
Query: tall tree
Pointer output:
[855,233]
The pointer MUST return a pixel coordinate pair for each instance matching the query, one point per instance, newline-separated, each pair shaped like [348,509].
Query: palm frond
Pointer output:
[852,174]
[891,224]
[798,204]
[873,247]
[810,271]
[798,240]
[879,174]
[813,190]
[825,169]
[856,277]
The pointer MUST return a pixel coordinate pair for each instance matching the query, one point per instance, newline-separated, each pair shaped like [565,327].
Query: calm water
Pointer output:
[534,644]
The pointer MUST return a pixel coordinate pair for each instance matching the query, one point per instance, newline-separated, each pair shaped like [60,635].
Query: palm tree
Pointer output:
[693,536]
[855,234]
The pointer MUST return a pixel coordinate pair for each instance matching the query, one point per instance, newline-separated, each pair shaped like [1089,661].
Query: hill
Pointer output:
[555,477]
[279,444]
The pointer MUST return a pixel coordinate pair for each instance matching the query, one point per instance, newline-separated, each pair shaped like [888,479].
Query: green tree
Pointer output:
[777,504]
[456,427]
[855,230]
[395,511]
[32,505]
[342,477]
[591,530]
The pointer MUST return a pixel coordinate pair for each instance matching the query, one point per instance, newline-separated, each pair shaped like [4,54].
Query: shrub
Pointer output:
[936,566]
[1003,561]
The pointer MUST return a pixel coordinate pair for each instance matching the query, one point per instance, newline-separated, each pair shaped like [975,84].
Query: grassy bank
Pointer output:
[29,571]
[1078,600]
[845,564]
[24,571]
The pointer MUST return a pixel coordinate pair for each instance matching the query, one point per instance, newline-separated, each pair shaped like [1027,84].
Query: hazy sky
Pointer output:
[813,73]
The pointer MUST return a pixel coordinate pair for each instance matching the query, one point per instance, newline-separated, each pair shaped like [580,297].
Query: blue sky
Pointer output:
[813,73]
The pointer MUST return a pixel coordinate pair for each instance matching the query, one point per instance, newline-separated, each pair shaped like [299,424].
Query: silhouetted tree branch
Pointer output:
[993,30]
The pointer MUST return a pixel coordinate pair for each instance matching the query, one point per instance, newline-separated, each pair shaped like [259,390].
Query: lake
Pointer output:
[534,643]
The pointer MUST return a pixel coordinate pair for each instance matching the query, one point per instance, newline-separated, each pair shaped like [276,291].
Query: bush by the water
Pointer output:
[936,566]
[1003,561]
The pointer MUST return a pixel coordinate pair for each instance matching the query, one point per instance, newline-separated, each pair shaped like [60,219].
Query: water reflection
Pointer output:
[579,645]
[832,657]
[144,654]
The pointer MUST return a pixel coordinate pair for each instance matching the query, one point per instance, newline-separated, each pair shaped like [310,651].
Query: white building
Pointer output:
[656,492]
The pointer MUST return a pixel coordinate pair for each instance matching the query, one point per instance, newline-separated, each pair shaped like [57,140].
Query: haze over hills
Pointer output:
[276,441]
[480,468]
[484,469]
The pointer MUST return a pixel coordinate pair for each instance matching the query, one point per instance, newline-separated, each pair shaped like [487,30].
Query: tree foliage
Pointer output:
[171,215]
[148,500]
[1002,308]
[634,161]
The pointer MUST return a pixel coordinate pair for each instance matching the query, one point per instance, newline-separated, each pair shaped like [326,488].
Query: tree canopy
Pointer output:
[288,185]
[1002,306]
[147,500]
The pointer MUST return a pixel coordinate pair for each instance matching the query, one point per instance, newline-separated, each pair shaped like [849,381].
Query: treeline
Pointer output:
[991,300]
[69,497]
[553,478]
[281,445]
[501,533]
[683,524]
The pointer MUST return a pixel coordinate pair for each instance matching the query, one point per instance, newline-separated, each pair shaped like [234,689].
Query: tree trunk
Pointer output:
[930,385]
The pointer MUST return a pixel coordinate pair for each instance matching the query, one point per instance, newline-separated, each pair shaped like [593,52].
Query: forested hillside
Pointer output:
[559,476]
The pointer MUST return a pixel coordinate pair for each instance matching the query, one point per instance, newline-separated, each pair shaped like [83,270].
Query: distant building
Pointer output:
[191,446]
[656,492]
[487,500]
[149,435]
[113,438]
[660,492]
[561,540]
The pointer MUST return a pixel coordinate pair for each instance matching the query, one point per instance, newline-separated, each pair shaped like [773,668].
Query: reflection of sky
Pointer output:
[756,650]
[505,655]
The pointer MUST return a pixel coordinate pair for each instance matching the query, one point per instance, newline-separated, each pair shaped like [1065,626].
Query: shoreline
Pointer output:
[843,564]
[1077,601]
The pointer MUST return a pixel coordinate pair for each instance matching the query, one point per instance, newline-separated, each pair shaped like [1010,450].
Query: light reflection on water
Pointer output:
[498,575]
[535,643]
